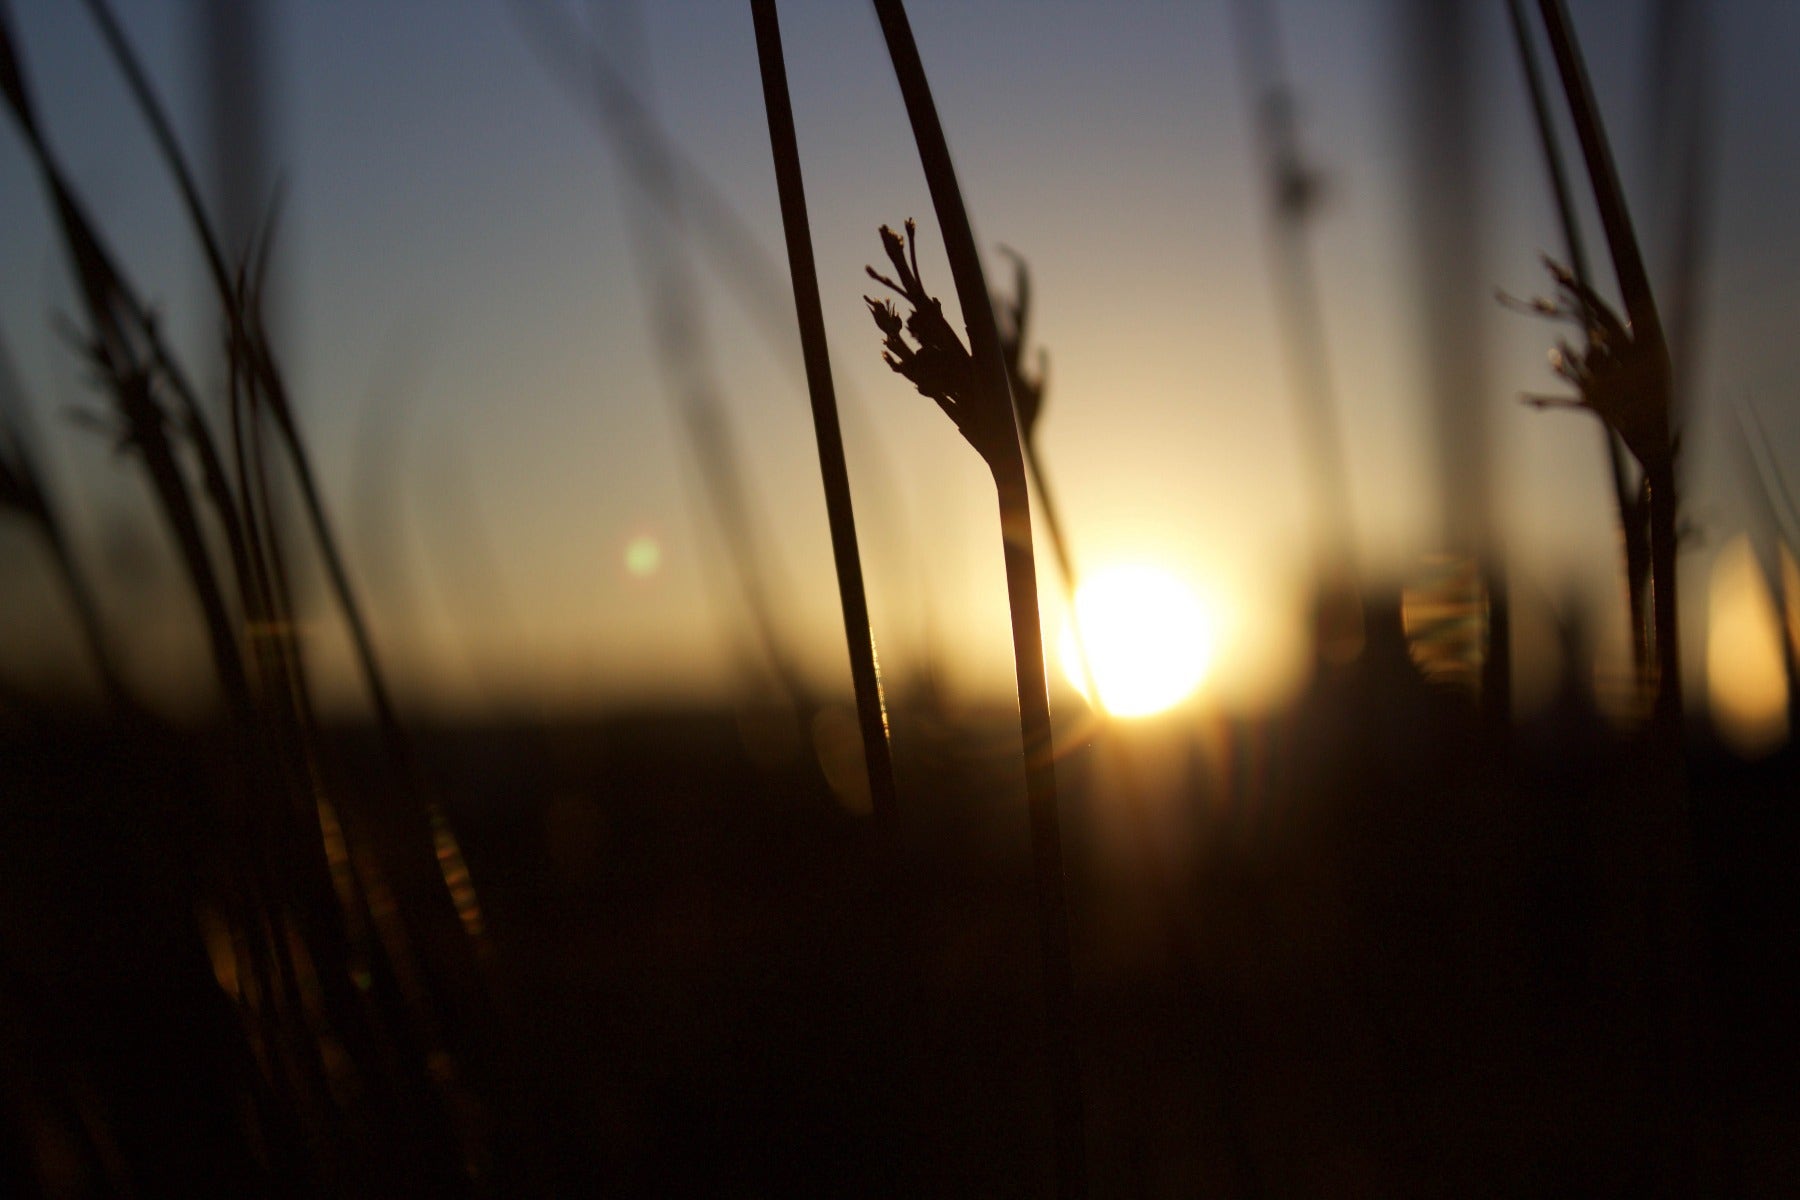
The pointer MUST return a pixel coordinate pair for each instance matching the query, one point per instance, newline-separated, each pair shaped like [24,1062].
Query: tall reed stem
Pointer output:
[1633,526]
[1653,400]
[1293,191]
[1006,460]
[859,634]
[1647,333]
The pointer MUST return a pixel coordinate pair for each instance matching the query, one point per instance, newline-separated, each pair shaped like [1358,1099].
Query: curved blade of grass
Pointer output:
[661,244]
[258,360]
[420,844]
[121,329]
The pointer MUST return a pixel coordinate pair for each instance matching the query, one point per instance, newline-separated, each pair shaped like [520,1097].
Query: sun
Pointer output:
[1148,639]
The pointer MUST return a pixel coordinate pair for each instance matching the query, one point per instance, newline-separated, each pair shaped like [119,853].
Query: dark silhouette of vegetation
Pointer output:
[1295,191]
[1363,941]
[1623,372]
[297,878]
[1634,528]
[972,388]
[871,707]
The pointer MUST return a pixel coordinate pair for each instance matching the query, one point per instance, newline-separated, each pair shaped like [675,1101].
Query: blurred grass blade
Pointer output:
[22,486]
[1652,391]
[1294,191]
[124,347]
[1633,526]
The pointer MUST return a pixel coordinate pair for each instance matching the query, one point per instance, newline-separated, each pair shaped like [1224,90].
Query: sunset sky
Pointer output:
[471,346]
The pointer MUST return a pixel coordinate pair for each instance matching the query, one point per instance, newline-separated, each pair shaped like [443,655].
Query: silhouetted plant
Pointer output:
[1628,493]
[940,366]
[971,387]
[1613,375]
[309,960]
[1623,371]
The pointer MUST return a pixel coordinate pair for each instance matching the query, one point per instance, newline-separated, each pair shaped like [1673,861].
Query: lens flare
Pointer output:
[1148,639]
[643,556]
[1746,681]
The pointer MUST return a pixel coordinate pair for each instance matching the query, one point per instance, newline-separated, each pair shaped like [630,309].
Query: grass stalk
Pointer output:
[1028,402]
[246,340]
[858,632]
[22,487]
[128,377]
[1653,400]
[1626,375]
[1294,192]
[249,351]
[284,880]
[1682,162]
[993,428]
[419,835]
[1633,523]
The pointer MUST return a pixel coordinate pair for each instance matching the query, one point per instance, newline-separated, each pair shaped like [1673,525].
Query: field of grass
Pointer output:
[1464,904]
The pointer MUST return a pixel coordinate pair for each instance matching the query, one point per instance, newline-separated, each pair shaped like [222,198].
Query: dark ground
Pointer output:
[1365,949]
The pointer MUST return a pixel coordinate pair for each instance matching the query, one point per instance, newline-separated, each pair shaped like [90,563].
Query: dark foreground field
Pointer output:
[1365,949]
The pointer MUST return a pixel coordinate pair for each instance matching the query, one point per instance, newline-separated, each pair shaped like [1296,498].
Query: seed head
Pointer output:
[886,318]
[939,365]
[1616,376]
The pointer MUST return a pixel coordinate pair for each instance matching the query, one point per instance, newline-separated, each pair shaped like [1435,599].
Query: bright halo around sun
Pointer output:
[1148,637]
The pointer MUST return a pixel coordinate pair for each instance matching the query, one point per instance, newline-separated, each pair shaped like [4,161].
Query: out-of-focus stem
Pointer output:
[1297,289]
[1633,528]
[1647,333]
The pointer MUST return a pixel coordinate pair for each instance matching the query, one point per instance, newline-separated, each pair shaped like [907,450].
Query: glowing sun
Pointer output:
[1149,640]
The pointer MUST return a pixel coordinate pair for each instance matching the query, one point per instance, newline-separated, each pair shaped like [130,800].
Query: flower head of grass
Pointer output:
[939,365]
[1617,377]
